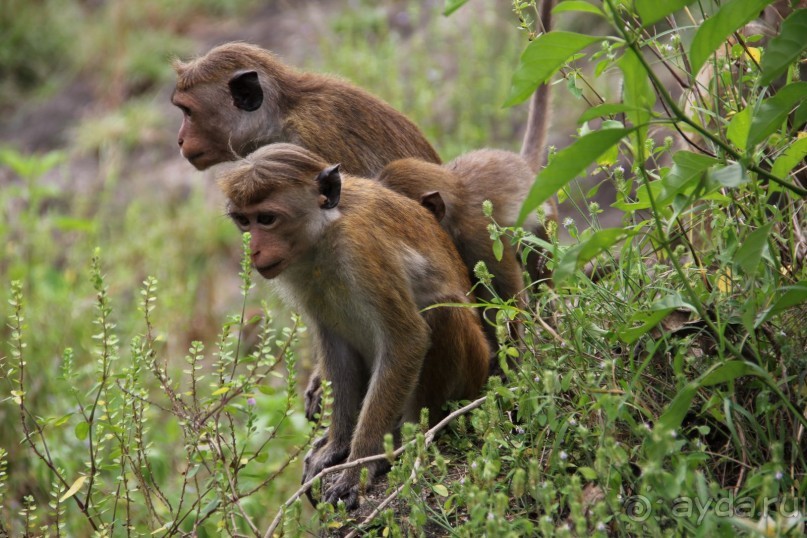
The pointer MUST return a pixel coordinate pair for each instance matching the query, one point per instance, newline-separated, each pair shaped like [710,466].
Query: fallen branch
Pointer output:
[430,435]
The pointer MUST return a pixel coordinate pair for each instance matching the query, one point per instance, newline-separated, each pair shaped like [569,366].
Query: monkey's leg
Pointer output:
[456,365]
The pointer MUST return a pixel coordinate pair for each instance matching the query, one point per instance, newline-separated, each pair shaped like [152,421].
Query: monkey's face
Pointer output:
[218,125]
[293,212]
[204,134]
[278,230]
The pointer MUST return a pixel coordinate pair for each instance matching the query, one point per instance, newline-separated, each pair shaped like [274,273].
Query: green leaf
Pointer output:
[792,156]
[732,175]
[652,11]
[60,421]
[542,57]
[30,166]
[773,111]
[642,201]
[785,48]
[498,249]
[578,5]
[749,254]
[452,6]
[578,255]
[212,505]
[637,93]
[588,473]
[567,164]
[631,334]
[82,430]
[726,372]
[441,490]
[739,127]
[687,167]
[607,109]
[715,30]
[73,224]
[658,311]
[792,296]
[800,116]
[671,418]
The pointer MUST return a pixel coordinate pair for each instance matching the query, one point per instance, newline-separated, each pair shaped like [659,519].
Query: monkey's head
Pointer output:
[284,196]
[427,183]
[229,99]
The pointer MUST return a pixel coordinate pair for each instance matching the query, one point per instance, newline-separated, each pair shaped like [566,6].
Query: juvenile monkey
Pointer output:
[239,97]
[361,263]
[454,193]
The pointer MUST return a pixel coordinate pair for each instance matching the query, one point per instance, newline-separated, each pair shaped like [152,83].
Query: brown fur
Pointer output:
[362,272]
[337,120]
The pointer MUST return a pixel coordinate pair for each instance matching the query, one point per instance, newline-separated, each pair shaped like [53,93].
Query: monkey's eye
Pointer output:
[266,219]
[185,110]
[241,221]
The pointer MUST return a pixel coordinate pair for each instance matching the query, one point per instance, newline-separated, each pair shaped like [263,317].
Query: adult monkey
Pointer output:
[361,264]
[239,97]
[454,193]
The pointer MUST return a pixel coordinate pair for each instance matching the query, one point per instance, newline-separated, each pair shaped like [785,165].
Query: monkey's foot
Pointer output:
[345,488]
[321,457]
[322,454]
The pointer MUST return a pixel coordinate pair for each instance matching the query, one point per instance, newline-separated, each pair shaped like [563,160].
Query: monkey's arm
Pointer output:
[396,369]
[342,366]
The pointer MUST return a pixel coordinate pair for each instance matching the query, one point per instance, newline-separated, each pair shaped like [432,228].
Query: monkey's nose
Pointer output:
[180,141]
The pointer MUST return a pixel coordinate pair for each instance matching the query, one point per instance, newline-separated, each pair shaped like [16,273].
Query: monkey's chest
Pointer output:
[336,303]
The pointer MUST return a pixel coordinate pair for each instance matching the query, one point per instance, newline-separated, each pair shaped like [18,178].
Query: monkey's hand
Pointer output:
[313,396]
[322,454]
[345,488]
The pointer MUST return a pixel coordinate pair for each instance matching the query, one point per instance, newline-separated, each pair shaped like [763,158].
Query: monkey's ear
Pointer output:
[246,91]
[330,186]
[434,203]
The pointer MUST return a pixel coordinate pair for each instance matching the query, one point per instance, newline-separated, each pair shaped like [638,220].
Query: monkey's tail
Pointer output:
[533,148]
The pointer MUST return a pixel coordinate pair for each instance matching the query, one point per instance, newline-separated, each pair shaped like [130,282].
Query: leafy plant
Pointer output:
[226,412]
[660,389]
